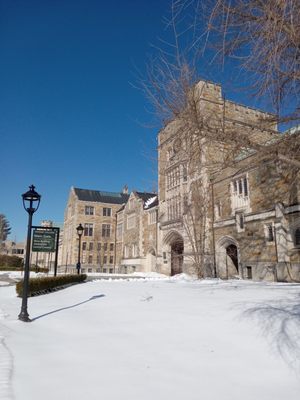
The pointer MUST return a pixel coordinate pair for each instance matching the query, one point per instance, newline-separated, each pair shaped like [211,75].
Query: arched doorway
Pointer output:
[176,257]
[174,252]
[232,260]
[227,257]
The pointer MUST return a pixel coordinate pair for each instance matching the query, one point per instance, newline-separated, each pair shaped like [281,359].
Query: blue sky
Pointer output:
[69,115]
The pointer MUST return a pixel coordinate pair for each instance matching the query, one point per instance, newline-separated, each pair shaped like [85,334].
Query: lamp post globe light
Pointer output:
[31,202]
[79,230]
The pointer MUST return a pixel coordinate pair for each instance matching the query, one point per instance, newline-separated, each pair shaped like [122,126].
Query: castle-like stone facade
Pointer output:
[238,220]
[96,211]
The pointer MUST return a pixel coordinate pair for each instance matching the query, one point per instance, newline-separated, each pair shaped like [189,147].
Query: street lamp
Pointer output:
[79,230]
[31,202]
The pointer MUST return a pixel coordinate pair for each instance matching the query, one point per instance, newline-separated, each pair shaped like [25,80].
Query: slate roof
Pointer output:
[99,196]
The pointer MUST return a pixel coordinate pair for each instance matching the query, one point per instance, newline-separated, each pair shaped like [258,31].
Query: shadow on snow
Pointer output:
[279,321]
[67,308]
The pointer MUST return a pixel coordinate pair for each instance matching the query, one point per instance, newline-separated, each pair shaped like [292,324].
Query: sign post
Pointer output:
[46,239]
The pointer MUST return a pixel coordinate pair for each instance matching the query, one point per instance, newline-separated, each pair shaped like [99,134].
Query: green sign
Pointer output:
[43,241]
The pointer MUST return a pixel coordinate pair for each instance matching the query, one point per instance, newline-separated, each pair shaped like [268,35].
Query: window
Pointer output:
[88,229]
[174,208]
[91,246]
[245,186]
[152,217]
[134,250]
[111,259]
[240,194]
[99,246]
[90,261]
[90,269]
[17,251]
[105,230]
[269,233]
[104,270]
[98,260]
[173,178]
[130,221]
[111,270]
[105,246]
[119,230]
[185,203]
[240,222]
[89,210]
[106,212]
[184,173]
[240,187]
[218,210]
[111,247]
[105,260]
[83,245]
[126,251]
[249,272]
[297,237]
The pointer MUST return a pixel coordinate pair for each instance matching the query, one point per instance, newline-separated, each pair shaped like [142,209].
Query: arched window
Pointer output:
[297,237]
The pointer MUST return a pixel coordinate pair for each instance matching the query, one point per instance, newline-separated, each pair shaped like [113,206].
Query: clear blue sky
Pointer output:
[69,115]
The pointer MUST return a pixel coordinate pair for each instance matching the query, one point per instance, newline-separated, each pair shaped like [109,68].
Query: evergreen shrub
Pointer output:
[49,284]
[10,261]
[32,268]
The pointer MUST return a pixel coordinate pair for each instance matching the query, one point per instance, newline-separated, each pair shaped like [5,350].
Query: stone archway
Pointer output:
[176,257]
[232,260]
[227,257]
[175,244]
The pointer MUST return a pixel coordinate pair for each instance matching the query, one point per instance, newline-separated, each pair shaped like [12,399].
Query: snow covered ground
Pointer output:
[153,339]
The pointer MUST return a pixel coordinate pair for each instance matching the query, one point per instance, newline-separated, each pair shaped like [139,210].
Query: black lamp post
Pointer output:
[31,202]
[79,230]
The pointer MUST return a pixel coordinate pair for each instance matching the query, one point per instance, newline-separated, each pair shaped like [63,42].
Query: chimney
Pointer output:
[125,189]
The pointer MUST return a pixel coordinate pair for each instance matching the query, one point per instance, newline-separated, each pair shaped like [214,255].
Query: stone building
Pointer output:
[223,208]
[257,219]
[96,211]
[12,248]
[186,203]
[136,239]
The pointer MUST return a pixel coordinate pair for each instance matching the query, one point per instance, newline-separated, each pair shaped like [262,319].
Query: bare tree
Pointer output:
[4,228]
[262,36]
[213,135]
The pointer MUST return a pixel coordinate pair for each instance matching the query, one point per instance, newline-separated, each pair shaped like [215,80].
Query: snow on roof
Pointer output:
[150,202]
